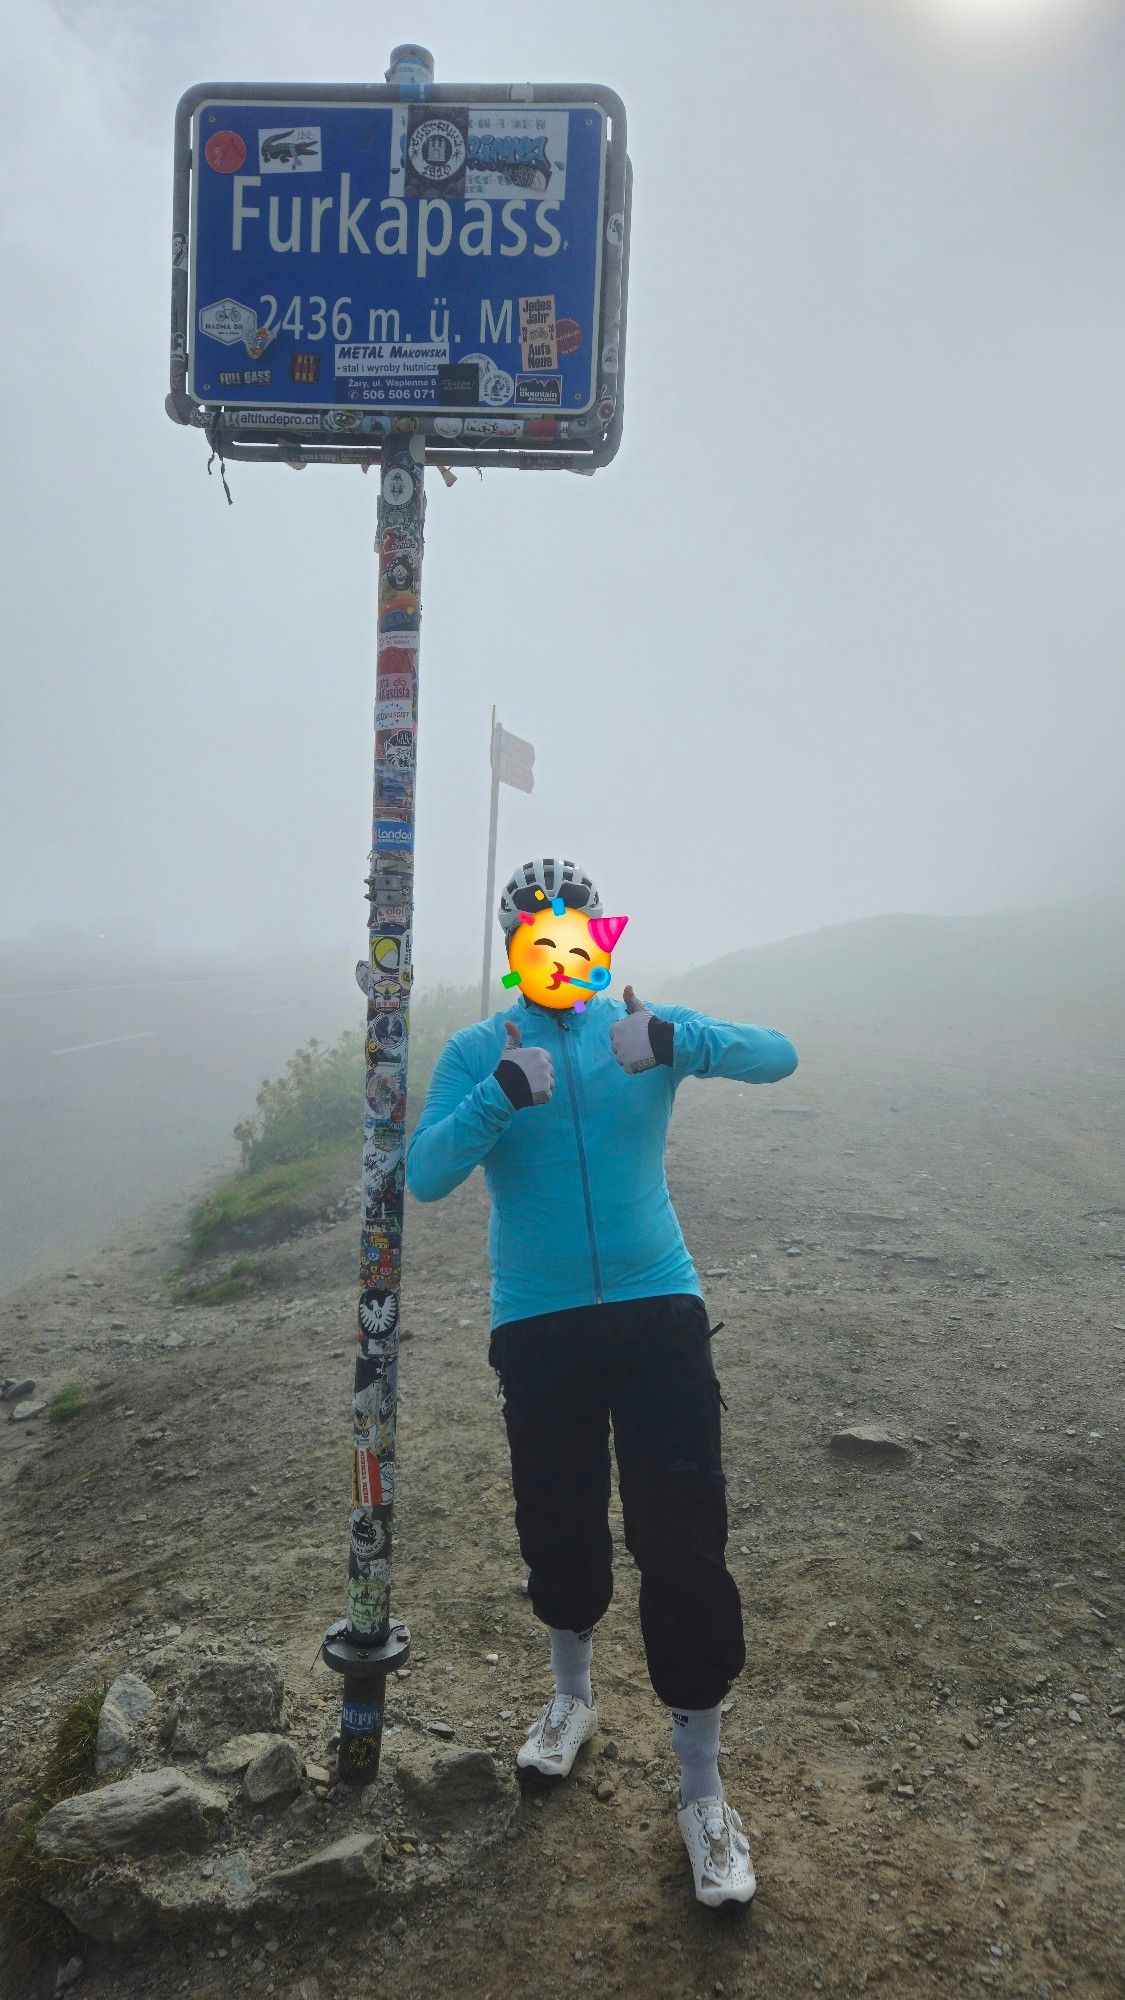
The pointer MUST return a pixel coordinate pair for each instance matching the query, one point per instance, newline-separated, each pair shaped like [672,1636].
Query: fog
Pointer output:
[837,634]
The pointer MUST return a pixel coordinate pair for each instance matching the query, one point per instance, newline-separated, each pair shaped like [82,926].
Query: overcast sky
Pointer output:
[839,632]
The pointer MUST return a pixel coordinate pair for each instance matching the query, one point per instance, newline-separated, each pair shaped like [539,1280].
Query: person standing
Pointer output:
[598,1320]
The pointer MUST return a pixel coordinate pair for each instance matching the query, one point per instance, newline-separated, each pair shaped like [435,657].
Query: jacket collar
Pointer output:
[575,1023]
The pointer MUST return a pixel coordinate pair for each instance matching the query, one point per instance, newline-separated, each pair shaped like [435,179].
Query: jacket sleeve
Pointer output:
[702,1047]
[461,1121]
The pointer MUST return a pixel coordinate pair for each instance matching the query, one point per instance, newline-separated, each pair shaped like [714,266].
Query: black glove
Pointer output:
[526,1076]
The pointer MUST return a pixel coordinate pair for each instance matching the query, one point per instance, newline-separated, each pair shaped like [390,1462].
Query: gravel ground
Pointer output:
[926,1742]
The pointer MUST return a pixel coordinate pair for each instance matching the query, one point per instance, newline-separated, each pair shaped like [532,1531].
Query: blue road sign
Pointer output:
[423,257]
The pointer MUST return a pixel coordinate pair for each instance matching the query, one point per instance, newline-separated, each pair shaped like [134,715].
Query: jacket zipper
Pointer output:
[570,1084]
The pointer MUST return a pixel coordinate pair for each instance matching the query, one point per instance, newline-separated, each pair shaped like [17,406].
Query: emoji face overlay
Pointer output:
[548,952]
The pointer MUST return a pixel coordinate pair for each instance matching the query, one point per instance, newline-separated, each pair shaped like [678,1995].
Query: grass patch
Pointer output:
[303,1137]
[264,1205]
[233,1283]
[66,1403]
[26,1918]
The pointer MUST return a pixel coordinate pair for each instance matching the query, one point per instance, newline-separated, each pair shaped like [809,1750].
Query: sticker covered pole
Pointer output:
[369,1644]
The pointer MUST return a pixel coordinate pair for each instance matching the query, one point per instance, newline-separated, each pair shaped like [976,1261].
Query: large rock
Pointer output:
[224,1697]
[117,1903]
[275,1772]
[452,1782]
[158,1810]
[129,1701]
[333,1874]
[869,1444]
[106,1905]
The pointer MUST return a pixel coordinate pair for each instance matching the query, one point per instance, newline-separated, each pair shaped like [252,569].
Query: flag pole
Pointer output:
[490,888]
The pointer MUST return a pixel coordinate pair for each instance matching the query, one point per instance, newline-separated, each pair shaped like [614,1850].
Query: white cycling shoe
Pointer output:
[560,1729]
[719,1852]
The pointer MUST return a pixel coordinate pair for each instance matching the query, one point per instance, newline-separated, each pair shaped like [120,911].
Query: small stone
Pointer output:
[17,1392]
[492,1659]
[970,1741]
[870,1444]
[607,1790]
[333,1874]
[275,1773]
[233,1756]
[316,1773]
[125,1707]
[25,1413]
[913,1539]
[440,1728]
[68,1973]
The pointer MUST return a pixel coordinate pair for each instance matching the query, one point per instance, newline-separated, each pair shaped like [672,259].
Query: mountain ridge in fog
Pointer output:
[1058,962]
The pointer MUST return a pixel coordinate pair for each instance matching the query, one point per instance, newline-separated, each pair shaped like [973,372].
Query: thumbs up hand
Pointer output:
[526,1076]
[632,1039]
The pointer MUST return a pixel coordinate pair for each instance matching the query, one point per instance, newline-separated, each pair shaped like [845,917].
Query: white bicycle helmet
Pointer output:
[561,879]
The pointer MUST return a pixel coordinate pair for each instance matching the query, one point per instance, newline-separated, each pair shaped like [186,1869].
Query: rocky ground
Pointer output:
[926,1742]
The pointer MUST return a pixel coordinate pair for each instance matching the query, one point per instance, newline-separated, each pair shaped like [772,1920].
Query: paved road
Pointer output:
[116,1100]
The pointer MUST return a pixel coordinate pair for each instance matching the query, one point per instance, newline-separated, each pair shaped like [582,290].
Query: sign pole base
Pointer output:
[365,1670]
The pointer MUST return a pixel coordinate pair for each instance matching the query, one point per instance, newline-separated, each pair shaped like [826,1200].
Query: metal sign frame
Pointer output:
[582,445]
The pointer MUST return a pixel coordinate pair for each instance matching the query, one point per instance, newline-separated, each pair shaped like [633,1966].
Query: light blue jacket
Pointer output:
[581,1212]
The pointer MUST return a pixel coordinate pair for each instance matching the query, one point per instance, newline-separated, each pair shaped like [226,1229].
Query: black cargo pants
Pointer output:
[645,1365]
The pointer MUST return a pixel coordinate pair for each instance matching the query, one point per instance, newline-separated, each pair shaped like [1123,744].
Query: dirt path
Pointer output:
[926,1742]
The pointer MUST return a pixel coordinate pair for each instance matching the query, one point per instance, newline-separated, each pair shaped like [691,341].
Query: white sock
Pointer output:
[571,1654]
[695,1740]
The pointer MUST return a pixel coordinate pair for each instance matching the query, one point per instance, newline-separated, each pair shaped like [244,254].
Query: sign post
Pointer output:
[511,760]
[397,275]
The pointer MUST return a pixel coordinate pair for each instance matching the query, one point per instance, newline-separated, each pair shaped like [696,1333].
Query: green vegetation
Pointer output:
[26,1918]
[233,1282]
[266,1204]
[300,1146]
[66,1403]
[316,1105]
